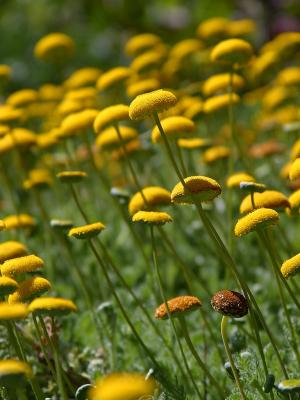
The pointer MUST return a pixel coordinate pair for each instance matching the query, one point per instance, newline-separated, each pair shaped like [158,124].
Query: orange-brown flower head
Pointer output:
[178,306]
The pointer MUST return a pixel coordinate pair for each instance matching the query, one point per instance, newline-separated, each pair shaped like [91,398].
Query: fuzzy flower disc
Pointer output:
[71,176]
[52,306]
[202,188]
[291,266]
[235,179]
[232,51]
[230,303]
[155,196]
[294,171]
[21,265]
[267,199]
[12,249]
[86,231]
[110,115]
[174,127]
[7,285]
[152,217]
[14,373]
[260,218]
[12,312]
[177,306]
[29,289]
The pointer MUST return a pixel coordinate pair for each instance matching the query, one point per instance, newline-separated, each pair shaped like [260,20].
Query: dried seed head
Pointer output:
[230,303]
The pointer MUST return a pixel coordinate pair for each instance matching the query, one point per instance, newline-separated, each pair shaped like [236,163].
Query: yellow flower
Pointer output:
[2,225]
[123,386]
[192,143]
[174,127]
[295,152]
[200,188]
[264,64]
[267,199]
[52,306]
[20,137]
[68,106]
[50,92]
[195,110]
[221,82]
[7,285]
[291,266]
[185,48]
[152,217]
[82,77]
[155,197]
[38,178]
[77,122]
[85,94]
[131,147]
[219,102]
[215,153]
[71,176]
[232,51]
[212,28]
[294,200]
[139,43]
[142,86]
[113,77]
[22,97]
[235,179]
[12,312]
[29,289]
[177,306]
[4,129]
[46,140]
[109,116]
[276,96]
[241,27]
[109,138]
[54,47]
[21,265]
[289,76]
[12,249]
[5,72]
[14,373]
[86,231]
[19,221]
[146,61]
[146,104]
[294,171]
[9,114]
[260,218]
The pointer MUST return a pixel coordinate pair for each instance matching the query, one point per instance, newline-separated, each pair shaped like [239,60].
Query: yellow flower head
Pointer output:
[109,139]
[264,64]
[213,28]
[219,102]
[12,312]
[289,76]
[50,92]
[131,147]
[14,373]
[276,97]
[46,140]
[221,82]
[110,115]
[82,77]
[192,143]
[30,289]
[200,188]
[77,122]
[84,95]
[241,27]
[4,129]
[125,386]
[38,178]
[215,153]
[12,249]
[295,152]
[19,221]
[22,97]
[267,199]
[140,43]
[146,61]
[5,72]
[260,218]
[21,137]
[113,77]
[146,104]
[21,265]
[195,110]
[294,200]
[177,306]
[71,176]
[174,127]
[2,225]
[294,171]
[7,285]
[142,86]
[291,266]
[86,231]
[9,114]
[69,106]
[54,47]
[155,197]
[51,306]
[185,48]
[152,217]
[235,179]
[232,51]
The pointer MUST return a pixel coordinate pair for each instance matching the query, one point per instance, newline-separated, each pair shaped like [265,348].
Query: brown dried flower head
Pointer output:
[230,303]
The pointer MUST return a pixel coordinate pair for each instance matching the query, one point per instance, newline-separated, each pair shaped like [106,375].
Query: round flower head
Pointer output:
[295,152]
[267,199]
[86,96]
[139,43]
[219,102]
[22,138]
[289,76]
[82,77]
[14,373]
[294,200]
[230,303]
[257,219]
[289,386]
[142,86]
[213,28]
[11,249]
[185,48]
[291,266]
[215,153]
[232,51]
[71,176]
[192,143]
[195,110]
[235,179]
[264,64]
[22,97]
[30,289]
[61,224]
[50,92]
[146,61]
[55,47]
[113,77]
[174,127]
[46,140]
[125,386]
[148,103]
[7,285]
[252,187]
[109,138]
[294,171]
[52,306]
[18,221]
[178,306]
[39,179]
[9,114]
[77,122]
[155,197]
[152,217]
[21,265]
[201,188]
[109,116]
[12,312]
[2,225]
[241,27]
[86,231]
[130,147]
[221,82]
